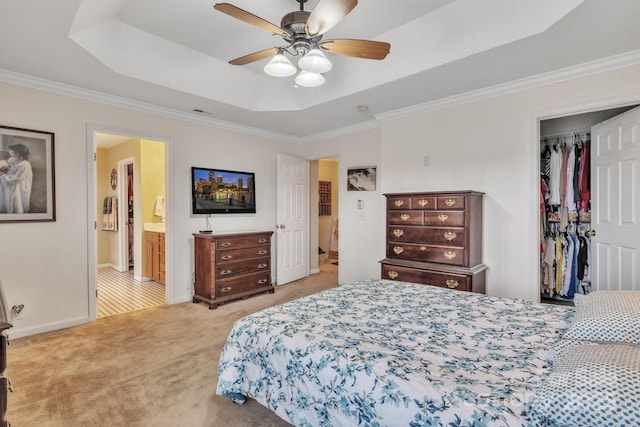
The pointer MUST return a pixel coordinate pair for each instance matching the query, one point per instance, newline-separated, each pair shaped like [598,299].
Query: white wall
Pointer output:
[359,238]
[488,145]
[45,265]
[491,145]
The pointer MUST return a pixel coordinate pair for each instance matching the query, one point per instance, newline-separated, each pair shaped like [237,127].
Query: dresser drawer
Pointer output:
[405,234]
[233,255]
[236,285]
[444,218]
[453,202]
[445,236]
[426,253]
[427,235]
[242,242]
[443,280]
[405,217]
[402,203]
[242,267]
[423,202]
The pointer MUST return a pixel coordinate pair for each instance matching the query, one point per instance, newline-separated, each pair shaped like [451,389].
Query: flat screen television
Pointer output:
[219,191]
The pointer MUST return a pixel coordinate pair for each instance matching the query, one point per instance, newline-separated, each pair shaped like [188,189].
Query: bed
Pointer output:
[381,353]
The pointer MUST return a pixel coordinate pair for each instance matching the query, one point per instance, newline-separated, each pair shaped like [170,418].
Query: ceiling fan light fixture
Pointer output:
[280,66]
[314,62]
[307,79]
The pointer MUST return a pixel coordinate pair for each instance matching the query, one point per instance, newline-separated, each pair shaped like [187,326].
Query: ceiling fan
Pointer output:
[303,32]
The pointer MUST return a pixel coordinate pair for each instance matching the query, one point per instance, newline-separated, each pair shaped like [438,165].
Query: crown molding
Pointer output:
[585,69]
[588,68]
[346,130]
[116,101]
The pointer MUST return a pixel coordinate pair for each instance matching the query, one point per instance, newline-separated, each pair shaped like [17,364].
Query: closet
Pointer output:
[565,214]
[567,206]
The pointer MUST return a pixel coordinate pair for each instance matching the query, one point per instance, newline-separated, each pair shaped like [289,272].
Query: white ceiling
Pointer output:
[173,54]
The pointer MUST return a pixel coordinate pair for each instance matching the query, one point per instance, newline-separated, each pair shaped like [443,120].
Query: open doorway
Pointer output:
[324,190]
[130,223]
[328,237]
[570,230]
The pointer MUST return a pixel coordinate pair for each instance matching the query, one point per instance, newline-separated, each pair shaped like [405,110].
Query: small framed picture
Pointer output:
[361,178]
[27,177]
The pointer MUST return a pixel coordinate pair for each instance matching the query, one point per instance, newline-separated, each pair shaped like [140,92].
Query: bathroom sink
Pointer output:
[154,226]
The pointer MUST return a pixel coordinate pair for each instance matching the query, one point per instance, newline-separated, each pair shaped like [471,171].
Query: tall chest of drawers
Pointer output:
[435,238]
[231,266]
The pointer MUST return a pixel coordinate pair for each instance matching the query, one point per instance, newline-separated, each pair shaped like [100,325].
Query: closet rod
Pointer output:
[569,134]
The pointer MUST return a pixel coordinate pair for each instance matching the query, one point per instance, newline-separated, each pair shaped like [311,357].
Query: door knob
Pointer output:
[280,226]
[591,233]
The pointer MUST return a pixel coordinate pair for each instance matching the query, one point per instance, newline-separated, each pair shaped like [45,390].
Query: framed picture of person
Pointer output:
[27,176]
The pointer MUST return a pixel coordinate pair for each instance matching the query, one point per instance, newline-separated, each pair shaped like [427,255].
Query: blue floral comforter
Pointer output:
[388,353]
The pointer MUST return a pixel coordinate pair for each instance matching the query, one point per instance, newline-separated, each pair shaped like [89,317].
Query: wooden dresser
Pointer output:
[5,384]
[435,238]
[231,266]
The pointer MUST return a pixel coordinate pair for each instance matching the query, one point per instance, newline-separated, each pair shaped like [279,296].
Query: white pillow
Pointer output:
[612,316]
[591,385]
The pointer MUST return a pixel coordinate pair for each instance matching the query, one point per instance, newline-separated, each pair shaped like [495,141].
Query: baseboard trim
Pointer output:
[26,332]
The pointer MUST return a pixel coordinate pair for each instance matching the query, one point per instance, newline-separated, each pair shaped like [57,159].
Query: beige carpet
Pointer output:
[156,367]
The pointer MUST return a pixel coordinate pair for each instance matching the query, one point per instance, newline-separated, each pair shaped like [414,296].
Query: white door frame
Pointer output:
[313,250]
[533,270]
[92,252]
[123,196]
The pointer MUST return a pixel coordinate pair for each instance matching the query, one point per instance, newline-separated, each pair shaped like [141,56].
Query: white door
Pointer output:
[291,217]
[615,248]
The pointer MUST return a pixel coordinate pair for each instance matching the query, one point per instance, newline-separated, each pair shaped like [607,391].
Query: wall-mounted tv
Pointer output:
[219,191]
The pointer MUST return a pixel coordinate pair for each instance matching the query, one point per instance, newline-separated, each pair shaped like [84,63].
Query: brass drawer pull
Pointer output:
[449,235]
[263,240]
[225,272]
[262,281]
[398,249]
[449,255]
[225,244]
[262,265]
[225,290]
[452,283]
[405,217]
[423,248]
[423,202]
[392,274]
[226,257]
[450,202]
[399,203]
[262,252]
[398,232]
[443,217]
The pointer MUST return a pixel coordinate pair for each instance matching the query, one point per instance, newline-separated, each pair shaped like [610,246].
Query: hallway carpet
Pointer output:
[155,367]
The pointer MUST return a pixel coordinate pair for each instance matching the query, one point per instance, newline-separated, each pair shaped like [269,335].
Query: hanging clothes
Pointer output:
[584,175]
[569,201]
[564,191]
[110,214]
[555,169]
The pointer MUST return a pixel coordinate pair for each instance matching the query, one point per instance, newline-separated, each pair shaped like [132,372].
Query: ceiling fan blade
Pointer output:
[366,49]
[326,14]
[249,18]
[255,56]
